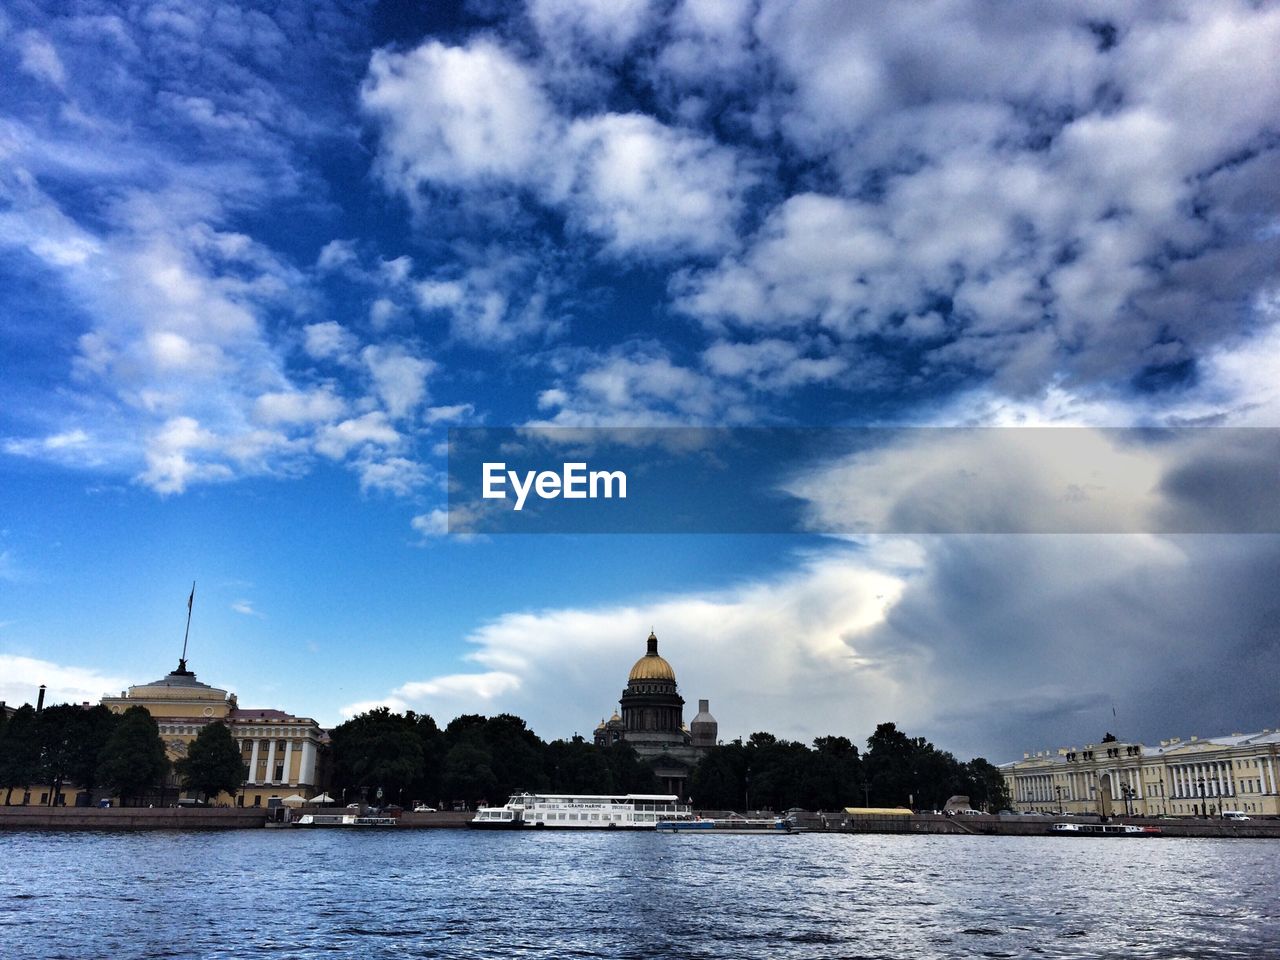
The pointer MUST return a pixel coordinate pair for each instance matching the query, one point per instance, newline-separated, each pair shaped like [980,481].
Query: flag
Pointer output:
[191,599]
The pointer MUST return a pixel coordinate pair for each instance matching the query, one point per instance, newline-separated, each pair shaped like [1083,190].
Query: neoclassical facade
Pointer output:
[652,721]
[280,751]
[1197,776]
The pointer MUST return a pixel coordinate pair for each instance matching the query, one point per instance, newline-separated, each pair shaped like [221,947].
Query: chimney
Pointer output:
[40,699]
[704,706]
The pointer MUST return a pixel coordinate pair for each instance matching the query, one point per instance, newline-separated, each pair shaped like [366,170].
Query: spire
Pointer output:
[653,645]
[182,670]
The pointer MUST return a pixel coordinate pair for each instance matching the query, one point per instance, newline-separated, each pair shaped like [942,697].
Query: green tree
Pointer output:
[19,752]
[133,759]
[71,739]
[378,749]
[718,781]
[93,728]
[468,772]
[213,764]
[989,790]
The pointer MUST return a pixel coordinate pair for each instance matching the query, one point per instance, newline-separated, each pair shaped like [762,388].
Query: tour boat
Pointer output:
[570,811]
[727,825]
[344,820]
[1105,830]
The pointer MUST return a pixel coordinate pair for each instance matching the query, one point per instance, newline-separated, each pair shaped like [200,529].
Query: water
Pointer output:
[446,893]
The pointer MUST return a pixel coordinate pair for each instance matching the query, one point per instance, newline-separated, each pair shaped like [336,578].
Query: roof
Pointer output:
[1165,747]
[651,666]
[240,714]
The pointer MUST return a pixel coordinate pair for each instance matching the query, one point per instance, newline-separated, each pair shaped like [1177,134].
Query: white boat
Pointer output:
[1106,830]
[573,811]
[344,820]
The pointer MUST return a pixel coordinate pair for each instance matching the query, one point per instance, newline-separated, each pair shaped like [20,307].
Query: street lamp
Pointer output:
[1126,791]
[1058,789]
[1204,807]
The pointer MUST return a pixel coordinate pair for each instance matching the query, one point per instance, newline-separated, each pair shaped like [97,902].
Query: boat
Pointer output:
[574,811]
[344,820]
[719,826]
[1105,830]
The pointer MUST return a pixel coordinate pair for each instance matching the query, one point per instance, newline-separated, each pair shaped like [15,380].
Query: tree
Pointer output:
[93,727]
[990,790]
[378,749]
[468,772]
[133,759]
[19,752]
[213,764]
[58,733]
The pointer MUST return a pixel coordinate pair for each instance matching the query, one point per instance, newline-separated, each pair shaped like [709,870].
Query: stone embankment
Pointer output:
[130,818]
[1031,826]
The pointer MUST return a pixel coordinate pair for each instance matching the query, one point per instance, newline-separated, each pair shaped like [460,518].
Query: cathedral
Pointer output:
[652,722]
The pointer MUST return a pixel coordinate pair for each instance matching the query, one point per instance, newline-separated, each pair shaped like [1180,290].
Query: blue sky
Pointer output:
[256,260]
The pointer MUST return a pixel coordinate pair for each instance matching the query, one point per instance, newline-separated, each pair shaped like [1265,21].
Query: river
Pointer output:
[455,894]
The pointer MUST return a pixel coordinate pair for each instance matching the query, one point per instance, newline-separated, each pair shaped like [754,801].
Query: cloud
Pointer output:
[399,378]
[39,58]
[755,649]
[245,608]
[486,121]
[989,646]
[494,302]
[370,430]
[454,115]
[1065,219]
[648,188]
[638,385]
[20,678]
[297,406]
[595,27]
[328,340]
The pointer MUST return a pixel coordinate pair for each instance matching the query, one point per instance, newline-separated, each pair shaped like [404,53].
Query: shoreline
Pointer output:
[223,818]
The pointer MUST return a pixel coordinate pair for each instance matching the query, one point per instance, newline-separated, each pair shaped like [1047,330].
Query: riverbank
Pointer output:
[988,825]
[131,818]
[224,818]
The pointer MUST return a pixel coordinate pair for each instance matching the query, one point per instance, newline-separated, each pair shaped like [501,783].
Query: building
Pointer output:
[280,751]
[652,722]
[1177,778]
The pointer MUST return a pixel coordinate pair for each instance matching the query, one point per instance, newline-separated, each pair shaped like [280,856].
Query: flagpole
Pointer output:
[182,663]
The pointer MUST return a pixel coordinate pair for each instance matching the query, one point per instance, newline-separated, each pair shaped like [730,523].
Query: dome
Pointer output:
[651,666]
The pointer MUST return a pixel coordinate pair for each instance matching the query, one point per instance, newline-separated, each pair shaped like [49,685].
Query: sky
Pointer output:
[257,260]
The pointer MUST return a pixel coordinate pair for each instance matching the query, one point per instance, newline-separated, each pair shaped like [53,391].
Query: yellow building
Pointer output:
[1178,778]
[280,751]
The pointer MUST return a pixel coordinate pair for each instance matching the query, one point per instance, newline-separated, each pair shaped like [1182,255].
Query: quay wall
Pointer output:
[130,818]
[1039,826]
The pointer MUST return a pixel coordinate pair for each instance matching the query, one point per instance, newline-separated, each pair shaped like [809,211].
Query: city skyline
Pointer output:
[255,264]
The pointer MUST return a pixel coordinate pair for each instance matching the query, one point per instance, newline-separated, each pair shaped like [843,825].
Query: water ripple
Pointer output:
[450,895]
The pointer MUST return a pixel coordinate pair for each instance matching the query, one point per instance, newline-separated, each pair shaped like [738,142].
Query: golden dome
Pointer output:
[651,666]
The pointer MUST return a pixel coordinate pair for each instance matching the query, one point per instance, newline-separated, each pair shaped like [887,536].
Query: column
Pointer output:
[271,761]
[288,757]
[253,762]
[307,768]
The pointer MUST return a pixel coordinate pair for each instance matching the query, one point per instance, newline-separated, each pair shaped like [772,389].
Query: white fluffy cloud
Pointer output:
[485,119]
[452,115]
[754,650]
[21,677]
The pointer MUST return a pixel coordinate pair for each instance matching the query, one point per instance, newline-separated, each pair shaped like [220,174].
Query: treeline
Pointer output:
[766,773]
[474,758]
[94,751]
[477,759]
